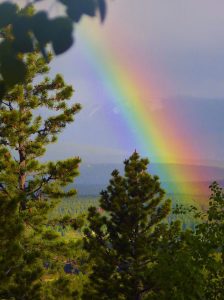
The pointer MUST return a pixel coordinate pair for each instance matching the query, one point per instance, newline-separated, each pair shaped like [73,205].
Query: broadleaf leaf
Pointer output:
[7,13]
[61,33]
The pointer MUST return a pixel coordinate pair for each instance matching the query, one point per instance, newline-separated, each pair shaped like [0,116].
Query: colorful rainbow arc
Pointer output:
[157,134]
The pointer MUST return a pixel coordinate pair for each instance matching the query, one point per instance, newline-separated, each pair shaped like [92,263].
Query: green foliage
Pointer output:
[22,30]
[73,207]
[29,188]
[210,244]
[203,250]
[138,252]
[122,242]
[77,8]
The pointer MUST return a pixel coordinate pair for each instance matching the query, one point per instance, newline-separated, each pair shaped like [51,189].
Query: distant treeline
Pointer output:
[79,205]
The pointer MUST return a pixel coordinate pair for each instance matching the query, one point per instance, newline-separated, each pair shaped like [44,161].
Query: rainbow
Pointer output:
[157,135]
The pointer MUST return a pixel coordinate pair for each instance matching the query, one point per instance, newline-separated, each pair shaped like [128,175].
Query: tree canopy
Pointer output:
[123,241]
[137,254]
[29,188]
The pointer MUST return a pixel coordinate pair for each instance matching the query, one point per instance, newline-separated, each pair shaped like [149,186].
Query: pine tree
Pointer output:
[28,187]
[123,241]
[136,253]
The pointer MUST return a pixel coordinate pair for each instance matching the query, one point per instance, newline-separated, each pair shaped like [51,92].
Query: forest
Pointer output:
[134,240]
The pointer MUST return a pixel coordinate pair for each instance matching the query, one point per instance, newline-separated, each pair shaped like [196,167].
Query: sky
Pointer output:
[170,55]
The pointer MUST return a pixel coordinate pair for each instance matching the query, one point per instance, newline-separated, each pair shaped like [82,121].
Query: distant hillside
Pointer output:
[95,177]
[100,173]
[80,205]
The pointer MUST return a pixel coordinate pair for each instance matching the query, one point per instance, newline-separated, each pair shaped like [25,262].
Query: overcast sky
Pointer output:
[179,47]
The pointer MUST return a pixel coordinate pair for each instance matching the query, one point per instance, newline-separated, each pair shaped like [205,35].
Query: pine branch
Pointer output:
[9,104]
[4,190]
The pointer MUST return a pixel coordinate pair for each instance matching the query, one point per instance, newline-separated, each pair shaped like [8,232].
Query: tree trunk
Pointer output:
[22,175]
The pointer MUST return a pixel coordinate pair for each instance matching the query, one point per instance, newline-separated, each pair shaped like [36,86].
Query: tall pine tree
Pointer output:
[122,242]
[29,188]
